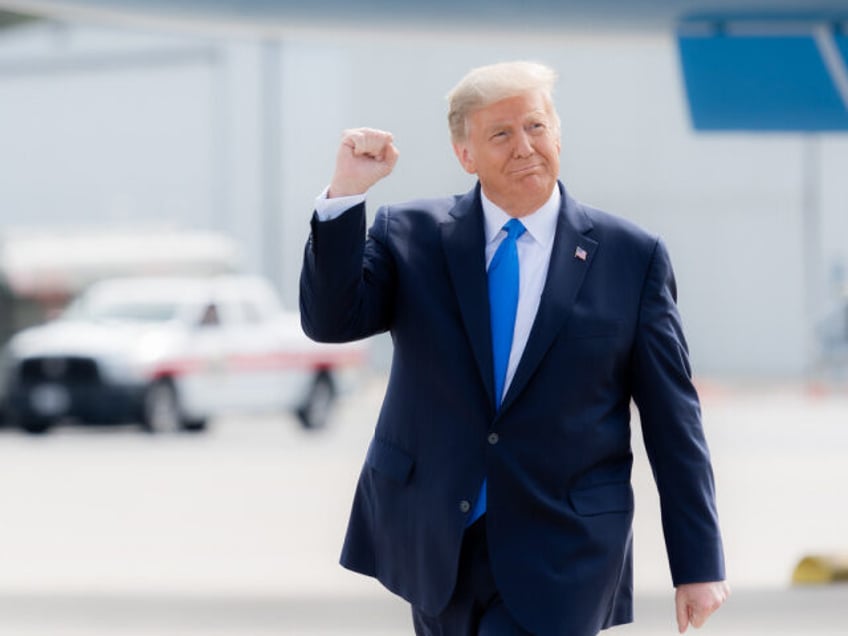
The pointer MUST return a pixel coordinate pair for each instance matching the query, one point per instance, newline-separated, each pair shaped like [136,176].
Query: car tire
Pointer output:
[35,425]
[315,411]
[161,408]
[194,426]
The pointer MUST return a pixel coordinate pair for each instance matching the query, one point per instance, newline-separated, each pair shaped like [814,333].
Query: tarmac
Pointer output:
[237,531]
[802,612]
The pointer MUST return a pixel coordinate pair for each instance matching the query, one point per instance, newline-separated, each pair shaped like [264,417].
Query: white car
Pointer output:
[172,353]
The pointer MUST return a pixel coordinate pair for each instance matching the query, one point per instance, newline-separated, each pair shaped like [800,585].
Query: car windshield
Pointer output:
[124,310]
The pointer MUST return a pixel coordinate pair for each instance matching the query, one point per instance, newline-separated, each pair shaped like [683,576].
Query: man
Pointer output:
[496,495]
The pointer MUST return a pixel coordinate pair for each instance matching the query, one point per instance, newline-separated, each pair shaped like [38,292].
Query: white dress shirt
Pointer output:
[329,209]
[534,256]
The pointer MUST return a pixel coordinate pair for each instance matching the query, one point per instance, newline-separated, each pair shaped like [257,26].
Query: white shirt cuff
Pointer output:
[329,209]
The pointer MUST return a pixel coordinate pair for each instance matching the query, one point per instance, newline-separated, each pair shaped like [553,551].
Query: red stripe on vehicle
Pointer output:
[265,361]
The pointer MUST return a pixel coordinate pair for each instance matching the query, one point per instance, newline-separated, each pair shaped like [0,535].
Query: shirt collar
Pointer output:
[541,224]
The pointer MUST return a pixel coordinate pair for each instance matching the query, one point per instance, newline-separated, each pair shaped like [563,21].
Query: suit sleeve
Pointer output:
[347,282]
[674,438]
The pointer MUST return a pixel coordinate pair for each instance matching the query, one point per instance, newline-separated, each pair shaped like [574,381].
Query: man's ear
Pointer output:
[466,159]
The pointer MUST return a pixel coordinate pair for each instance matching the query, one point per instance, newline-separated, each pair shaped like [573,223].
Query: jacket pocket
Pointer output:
[389,461]
[606,498]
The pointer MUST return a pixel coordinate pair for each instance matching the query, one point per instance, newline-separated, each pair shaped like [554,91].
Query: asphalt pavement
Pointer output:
[237,530]
[819,612]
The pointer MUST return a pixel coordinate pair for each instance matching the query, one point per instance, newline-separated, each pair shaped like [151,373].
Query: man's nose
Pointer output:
[523,145]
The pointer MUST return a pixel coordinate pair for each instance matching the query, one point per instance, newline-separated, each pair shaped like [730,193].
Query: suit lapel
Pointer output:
[464,244]
[571,258]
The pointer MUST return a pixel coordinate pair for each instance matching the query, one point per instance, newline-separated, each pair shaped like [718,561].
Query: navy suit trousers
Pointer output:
[476,607]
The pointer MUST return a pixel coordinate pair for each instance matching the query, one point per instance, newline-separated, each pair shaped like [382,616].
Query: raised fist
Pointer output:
[365,156]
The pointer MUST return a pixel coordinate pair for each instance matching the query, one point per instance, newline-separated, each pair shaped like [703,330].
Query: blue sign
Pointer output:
[765,75]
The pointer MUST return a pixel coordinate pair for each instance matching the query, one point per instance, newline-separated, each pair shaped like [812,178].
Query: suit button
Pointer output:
[493,438]
[464,506]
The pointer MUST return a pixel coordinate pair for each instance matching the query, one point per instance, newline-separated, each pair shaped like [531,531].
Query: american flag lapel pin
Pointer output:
[580,253]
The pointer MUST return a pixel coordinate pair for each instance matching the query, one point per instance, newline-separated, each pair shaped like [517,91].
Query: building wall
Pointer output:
[115,126]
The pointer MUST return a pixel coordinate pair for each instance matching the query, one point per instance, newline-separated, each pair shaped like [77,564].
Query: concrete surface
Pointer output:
[237,531]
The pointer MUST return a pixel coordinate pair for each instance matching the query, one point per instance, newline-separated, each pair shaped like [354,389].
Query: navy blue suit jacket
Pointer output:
[560,503]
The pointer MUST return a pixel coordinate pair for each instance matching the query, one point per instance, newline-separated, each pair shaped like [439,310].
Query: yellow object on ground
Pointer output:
[821,569]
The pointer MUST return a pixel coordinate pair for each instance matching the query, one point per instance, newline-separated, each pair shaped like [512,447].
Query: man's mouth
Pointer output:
[526,169]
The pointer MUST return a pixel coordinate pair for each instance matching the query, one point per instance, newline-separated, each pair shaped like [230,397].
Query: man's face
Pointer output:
[513,147]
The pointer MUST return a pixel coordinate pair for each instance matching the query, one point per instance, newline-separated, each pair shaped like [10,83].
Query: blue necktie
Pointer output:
[503,302]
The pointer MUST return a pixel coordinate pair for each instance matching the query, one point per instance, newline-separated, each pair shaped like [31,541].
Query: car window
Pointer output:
[120,310]
[251,313]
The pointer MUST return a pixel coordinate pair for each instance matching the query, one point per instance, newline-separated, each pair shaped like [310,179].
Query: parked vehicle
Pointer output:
[171,353]
[42,270]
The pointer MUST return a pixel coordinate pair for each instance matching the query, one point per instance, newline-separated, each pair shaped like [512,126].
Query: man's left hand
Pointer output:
[696,601]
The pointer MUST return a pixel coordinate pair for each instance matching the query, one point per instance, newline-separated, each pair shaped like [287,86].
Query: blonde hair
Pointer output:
[486,85]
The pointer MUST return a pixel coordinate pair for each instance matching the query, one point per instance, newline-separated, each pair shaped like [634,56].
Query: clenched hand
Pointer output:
[365,156]
[696,601]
